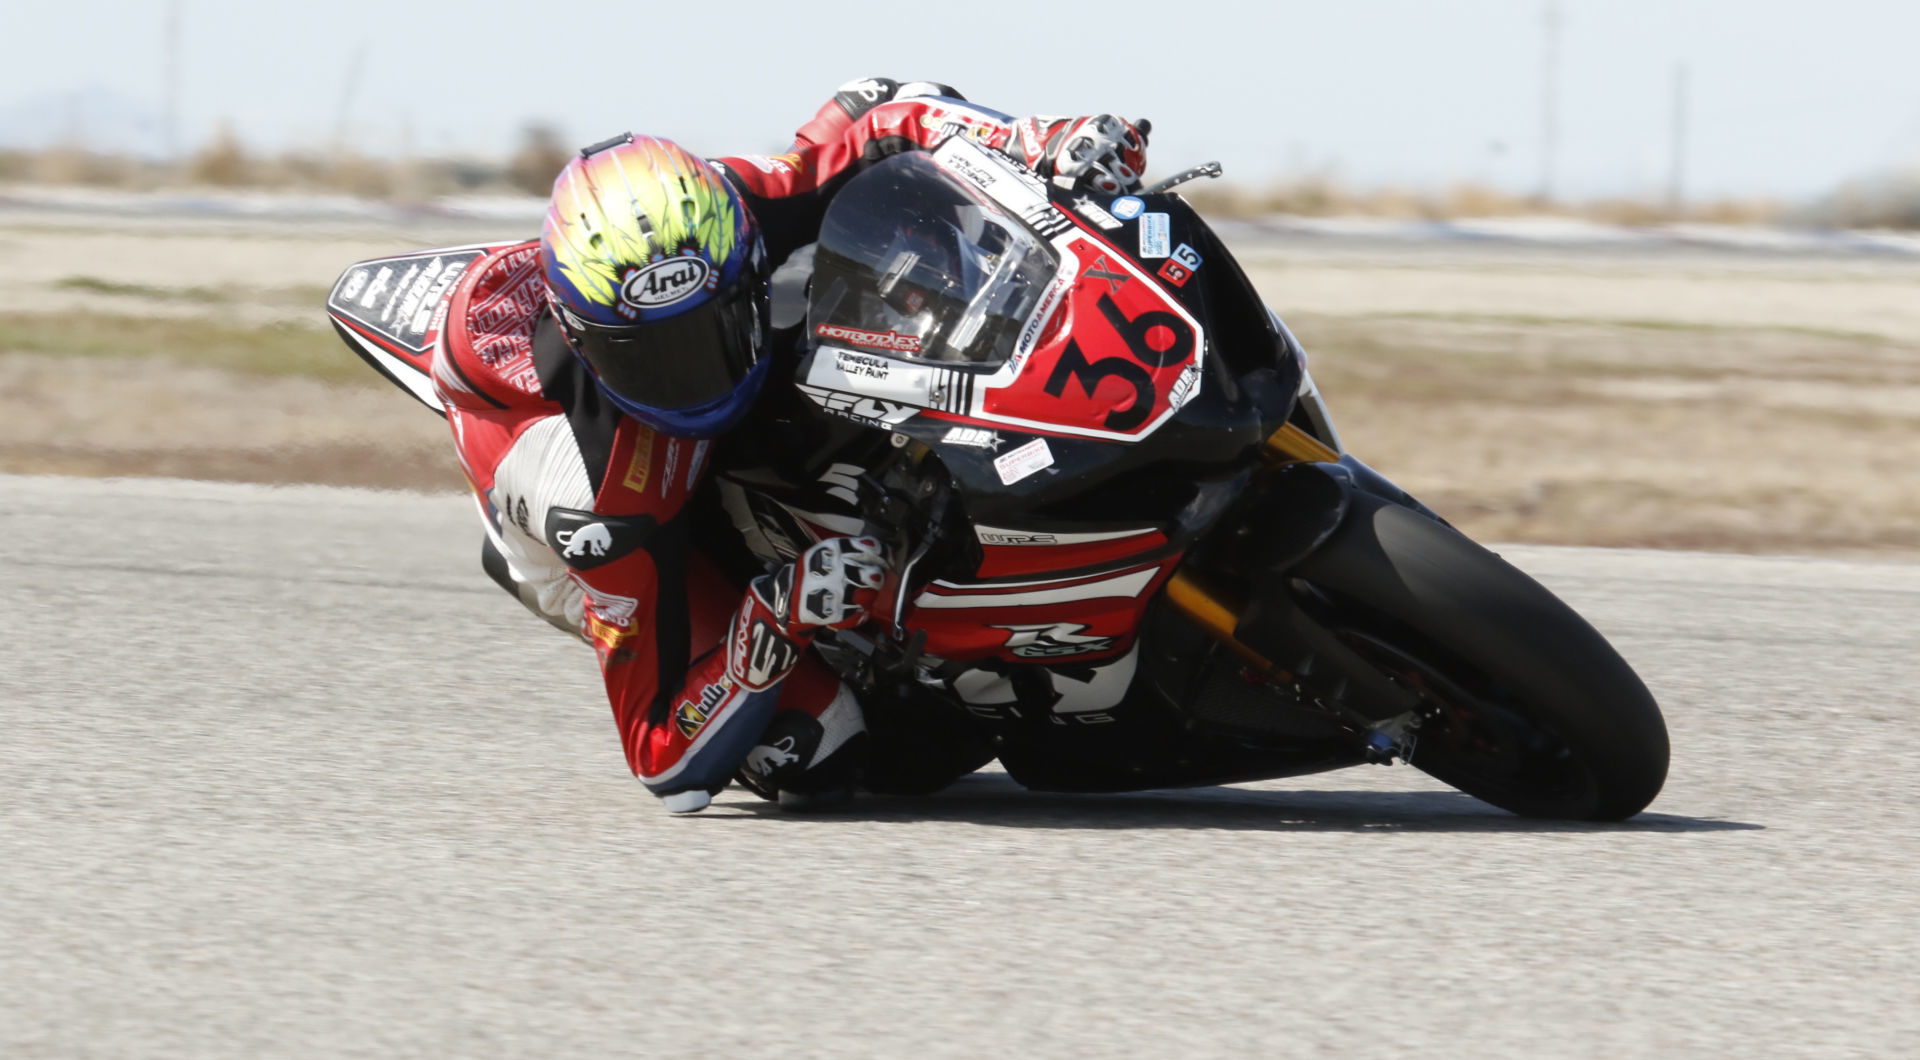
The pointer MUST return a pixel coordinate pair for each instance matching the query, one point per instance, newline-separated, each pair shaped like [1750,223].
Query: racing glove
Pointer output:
[833,585]
[1103,153]
[731,698]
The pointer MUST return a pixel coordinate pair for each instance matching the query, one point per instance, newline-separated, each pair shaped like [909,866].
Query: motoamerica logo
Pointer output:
[664,282]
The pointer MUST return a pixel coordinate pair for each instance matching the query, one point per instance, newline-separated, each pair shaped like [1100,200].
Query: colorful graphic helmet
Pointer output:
[657,275]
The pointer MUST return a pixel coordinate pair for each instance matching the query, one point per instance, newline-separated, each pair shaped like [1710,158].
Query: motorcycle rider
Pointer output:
[586,377]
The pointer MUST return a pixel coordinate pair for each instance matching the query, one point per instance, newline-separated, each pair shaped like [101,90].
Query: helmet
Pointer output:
[657,275]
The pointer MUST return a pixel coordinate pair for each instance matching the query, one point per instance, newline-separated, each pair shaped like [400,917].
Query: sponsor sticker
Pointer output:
[608,608]
[664,282]
[1043,312]
[673,461]
[1092,211]
[381,281]
[1180,268]
[1187,385]
[399,290]
[356,282]
[973,438]
[891,341]
[977,175]
[1025,461]
[1127,207]
[694,465]
[640,465]
[1014,537]
[691,714]
[1156,235]
[1045,220]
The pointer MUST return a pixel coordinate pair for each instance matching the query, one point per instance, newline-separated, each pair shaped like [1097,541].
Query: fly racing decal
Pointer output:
[858,407]
[1053,640]
[585,540]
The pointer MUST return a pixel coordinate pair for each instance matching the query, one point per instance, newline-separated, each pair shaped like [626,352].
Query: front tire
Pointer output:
[1524,704]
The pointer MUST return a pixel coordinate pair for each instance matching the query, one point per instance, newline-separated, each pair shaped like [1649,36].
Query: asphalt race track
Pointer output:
[282,774]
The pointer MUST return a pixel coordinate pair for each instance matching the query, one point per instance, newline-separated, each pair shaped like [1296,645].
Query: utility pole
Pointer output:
[1549,98]
[170,130]
[346,98]
[1677,179]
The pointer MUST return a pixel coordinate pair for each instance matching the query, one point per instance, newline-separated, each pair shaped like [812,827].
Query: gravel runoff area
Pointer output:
[1678,398]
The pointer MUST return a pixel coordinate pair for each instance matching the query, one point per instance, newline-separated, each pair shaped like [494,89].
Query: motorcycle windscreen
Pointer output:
[915,265]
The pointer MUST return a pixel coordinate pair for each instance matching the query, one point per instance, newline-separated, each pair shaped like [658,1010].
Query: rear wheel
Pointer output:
[1523,704]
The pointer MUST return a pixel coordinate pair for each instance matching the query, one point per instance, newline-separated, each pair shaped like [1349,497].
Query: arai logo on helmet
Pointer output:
[664,282]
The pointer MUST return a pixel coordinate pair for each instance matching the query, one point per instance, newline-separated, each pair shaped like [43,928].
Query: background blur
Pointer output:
[1597,271]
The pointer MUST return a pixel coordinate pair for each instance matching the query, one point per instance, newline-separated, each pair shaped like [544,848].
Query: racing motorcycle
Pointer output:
[1112,491]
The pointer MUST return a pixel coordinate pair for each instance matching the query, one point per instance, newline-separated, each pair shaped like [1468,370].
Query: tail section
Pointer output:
[391,311]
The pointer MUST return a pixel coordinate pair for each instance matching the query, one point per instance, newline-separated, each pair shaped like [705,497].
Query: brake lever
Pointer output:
[1210,169]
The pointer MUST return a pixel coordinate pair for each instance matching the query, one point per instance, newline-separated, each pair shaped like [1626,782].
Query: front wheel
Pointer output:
[1523,704]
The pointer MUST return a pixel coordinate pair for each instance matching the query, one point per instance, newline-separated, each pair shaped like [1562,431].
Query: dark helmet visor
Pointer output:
[686,361]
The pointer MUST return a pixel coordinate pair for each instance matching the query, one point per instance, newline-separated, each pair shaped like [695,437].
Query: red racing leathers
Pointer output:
[587,511]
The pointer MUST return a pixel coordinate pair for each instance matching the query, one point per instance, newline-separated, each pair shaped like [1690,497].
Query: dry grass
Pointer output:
[226,162]
[1678,401]
[1325,196]
[119,415]
[1605,434]
[273,350]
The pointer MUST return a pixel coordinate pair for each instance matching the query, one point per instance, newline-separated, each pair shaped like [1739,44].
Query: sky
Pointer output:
[1785,98]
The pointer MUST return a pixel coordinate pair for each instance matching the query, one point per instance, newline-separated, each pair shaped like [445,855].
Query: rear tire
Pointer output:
[1526,705]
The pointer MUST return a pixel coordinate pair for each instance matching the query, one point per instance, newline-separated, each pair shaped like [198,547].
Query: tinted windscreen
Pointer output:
[912,264]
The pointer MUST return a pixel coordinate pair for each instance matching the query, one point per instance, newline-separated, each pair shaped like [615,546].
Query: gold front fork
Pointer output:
[1210,608]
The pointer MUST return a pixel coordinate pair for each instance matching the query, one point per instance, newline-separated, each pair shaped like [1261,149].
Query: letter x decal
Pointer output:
[1099,271]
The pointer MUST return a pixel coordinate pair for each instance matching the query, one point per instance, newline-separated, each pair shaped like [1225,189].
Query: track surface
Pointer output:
[281,773]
